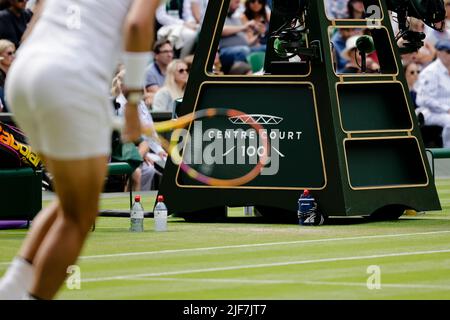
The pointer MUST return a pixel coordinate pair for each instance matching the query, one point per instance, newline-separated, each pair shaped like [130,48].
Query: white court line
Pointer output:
[130,254]
[278,282]
[12,233]
[261,245]
[264,265]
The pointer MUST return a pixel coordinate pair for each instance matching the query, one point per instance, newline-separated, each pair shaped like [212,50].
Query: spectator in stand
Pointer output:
[189,60]
[182,34]
[241,68]
[427,53]
[410,57]
[187,13]
[194,10]
[234,45]
[350,54]
[258,11]
[7,54]
[31,4]
[156,72]
[353,57]
[149,149]
[337,9]
[433,36]
[356,9]
[14,18]
[217,66]
[339,40]
[433,91]
[174,86]
[447,14]
[412,71]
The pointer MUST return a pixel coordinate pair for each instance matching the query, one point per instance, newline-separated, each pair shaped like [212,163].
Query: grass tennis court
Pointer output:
[246,259]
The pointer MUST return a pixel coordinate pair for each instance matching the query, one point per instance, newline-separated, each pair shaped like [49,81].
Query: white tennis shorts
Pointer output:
[63,109]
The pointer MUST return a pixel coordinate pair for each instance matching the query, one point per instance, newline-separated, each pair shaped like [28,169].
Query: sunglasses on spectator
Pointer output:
[183,70]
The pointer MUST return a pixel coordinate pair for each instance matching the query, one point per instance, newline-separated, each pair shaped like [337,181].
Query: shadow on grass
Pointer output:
[277,221]
[330,221]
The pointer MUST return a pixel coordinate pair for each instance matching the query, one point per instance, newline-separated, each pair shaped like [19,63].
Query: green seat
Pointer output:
[438,153]
[256,60]
[116,168]
[119,168]
[20,193]
[21,190]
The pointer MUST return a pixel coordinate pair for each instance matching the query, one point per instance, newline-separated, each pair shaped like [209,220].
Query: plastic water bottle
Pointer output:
[160,214]
[308,215]
[137,215]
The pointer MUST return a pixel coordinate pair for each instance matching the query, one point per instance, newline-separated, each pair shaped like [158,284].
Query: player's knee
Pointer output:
[81,223]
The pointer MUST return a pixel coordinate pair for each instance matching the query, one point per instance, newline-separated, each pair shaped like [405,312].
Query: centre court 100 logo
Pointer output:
[234,146]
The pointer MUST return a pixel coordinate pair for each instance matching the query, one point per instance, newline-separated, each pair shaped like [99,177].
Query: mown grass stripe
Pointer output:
[264,265]
[277,282]
[262,244]
[131,254]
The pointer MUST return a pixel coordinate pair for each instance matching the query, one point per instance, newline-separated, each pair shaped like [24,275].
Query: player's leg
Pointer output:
[39,228]
[78,184]
[19,276]
[17,279]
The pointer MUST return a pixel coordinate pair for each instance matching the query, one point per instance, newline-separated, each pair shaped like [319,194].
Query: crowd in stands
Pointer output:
[149,148]
[246,32]
[178,25]
[427,71]
[14,18]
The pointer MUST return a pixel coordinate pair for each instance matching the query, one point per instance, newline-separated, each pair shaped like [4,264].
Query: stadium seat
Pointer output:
[256,61]
[20,193]
[115,168]
[21,190]
[438,153]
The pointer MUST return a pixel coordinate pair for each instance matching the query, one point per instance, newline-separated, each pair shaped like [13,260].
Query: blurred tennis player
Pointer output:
[58,90]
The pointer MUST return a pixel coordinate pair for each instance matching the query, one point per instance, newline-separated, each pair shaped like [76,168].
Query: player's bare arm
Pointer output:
[138,31]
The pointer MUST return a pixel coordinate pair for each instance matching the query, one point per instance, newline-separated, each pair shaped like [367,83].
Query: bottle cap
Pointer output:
[137,198]
[306,192]
[160,198]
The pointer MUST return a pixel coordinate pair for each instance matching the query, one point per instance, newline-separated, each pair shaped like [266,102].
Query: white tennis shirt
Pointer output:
[86,33]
